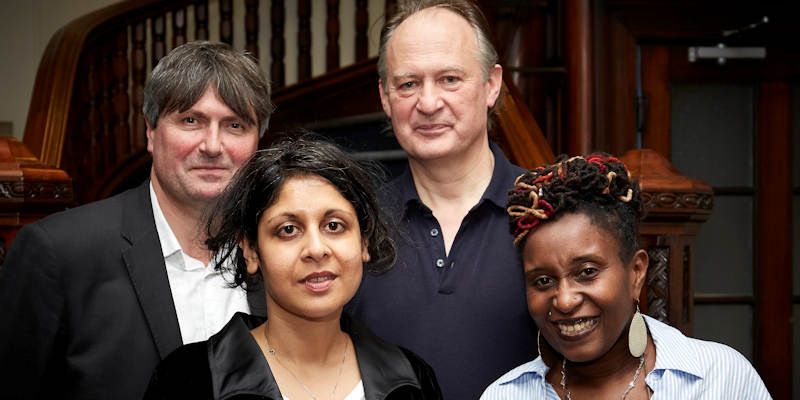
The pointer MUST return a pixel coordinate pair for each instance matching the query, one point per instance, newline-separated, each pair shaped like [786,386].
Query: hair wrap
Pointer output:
[544,192]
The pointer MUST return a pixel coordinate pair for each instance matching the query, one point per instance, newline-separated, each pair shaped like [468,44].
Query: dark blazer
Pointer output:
[230,365]
[85,304]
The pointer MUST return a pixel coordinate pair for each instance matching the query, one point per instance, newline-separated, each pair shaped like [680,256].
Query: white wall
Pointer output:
[27,25]
[25,28]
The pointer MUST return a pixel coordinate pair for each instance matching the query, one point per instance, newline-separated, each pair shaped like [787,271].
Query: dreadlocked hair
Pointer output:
[597,185]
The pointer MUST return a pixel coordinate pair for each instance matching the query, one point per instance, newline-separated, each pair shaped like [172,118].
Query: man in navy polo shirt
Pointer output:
[456,296]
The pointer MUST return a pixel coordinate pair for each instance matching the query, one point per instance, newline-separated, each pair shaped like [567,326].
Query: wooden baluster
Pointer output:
[139,72]
[277,44]
[201,20]
[106,148]
[390,8]
[158,33]
[85,147]
[226,21]
[303,40]
[120,128]
[332,30]
[178,27]
[362,20]
[251,27]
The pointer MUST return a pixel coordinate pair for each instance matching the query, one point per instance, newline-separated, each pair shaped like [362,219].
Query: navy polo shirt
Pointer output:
[464,313]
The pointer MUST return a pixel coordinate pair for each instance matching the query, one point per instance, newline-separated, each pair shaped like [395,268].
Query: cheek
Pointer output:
[537,305]
[173,147]
[241,149]
[401,107]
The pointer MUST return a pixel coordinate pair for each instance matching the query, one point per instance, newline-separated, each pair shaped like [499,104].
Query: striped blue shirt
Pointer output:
[685,368]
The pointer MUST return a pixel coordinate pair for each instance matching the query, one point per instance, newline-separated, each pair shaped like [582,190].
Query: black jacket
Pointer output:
[230,365]
[86,310]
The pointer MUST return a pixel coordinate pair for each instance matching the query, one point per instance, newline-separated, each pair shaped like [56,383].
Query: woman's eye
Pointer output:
[335,226]
[588,272]
[287,230]
[542,282]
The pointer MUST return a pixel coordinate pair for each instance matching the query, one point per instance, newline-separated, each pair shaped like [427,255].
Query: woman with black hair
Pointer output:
[575,223]
[300,217]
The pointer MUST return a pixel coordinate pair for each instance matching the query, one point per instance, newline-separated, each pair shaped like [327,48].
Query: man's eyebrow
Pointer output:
[404,76]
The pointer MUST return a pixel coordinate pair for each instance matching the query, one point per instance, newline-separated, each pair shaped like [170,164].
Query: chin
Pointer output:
[581,356]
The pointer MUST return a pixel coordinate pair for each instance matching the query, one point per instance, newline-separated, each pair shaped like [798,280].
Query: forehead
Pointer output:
[430,37]
[296,191]
[570,236]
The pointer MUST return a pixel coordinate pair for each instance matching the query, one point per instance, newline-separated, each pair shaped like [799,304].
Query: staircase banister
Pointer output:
[52,95]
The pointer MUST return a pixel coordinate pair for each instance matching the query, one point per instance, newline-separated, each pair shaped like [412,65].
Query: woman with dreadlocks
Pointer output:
[575,224]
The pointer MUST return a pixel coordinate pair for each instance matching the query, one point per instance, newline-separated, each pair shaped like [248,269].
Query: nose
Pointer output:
[211,145]
[316,249]
[567,299]
[429,99]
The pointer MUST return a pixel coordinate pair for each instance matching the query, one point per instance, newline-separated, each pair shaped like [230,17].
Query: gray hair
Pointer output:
[487,55]
[183,75]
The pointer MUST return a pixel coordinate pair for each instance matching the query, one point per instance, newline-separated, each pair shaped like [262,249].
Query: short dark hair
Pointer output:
[597,185]
[182,76]
[256,187]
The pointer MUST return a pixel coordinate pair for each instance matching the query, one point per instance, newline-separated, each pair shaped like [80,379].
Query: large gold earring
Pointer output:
[637,334]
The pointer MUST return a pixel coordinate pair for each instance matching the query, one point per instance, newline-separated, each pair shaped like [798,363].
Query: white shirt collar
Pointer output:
[169,243]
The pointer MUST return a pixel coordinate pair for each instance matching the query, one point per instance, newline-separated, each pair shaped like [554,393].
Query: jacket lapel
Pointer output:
[384,367]
[145,263]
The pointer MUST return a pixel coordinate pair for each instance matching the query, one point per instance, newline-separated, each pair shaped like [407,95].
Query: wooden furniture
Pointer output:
[29,190]
[675,206]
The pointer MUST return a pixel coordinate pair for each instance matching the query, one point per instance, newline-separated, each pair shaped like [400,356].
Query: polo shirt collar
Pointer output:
[496,192]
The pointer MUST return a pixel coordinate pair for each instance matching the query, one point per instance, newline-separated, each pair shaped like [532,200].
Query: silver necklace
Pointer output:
[274,353]
[628,389]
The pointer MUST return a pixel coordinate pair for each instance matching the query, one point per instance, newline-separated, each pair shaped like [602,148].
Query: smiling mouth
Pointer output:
[319,281]
[575,327]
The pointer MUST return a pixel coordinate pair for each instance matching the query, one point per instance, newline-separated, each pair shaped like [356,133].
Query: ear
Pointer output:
[149,136]
[638,266]
[384,99]
[365,251]
[494,84]
[250,257]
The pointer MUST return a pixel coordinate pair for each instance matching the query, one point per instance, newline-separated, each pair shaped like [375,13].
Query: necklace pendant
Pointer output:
[271,351]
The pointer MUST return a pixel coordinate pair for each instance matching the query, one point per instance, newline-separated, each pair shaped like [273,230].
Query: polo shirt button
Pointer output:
[434,232]
[440,263]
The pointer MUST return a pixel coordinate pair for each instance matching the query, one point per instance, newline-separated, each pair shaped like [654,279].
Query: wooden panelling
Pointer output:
[773,333]
[580,81]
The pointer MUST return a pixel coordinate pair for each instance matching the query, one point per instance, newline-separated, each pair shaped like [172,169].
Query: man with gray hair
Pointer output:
[94,297]
[456,296]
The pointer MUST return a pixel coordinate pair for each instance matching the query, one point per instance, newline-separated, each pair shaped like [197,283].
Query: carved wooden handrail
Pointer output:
[46,127]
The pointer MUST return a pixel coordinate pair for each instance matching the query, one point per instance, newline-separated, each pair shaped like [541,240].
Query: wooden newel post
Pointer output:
[674,208]
[29,190]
